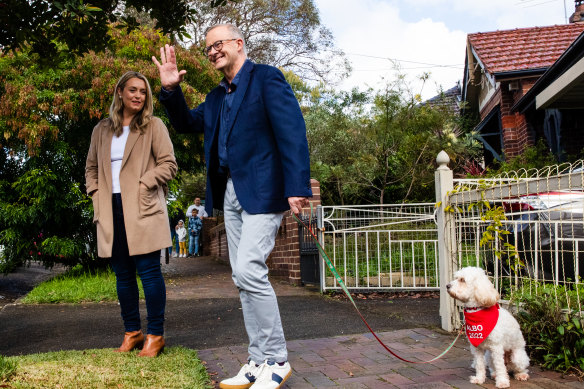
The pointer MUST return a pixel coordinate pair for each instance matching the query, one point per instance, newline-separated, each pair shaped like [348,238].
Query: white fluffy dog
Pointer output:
[501,349]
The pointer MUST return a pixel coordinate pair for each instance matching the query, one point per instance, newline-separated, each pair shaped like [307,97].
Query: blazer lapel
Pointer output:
[240,94]
[106,156]
[132,139]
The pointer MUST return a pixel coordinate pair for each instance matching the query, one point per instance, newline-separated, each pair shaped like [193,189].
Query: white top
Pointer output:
[118,146]
[201,208]
[182,234]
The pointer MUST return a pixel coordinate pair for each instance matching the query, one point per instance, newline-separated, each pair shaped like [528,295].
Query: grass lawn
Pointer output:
[176,367]
[77,286]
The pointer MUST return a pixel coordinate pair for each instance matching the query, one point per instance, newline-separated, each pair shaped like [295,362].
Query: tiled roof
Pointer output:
[523,48]
[448,99]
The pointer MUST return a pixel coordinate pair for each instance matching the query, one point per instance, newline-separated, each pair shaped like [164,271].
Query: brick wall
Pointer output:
[285,258]
[517,134]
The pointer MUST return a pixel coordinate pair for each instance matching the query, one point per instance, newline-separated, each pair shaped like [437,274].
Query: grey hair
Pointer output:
[233,29]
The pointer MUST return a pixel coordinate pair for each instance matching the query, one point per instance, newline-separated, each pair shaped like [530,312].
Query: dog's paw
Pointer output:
[521,376]
[502,383]
[476,380]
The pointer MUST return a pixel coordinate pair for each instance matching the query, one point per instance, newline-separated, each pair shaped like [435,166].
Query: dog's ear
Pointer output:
[485,293]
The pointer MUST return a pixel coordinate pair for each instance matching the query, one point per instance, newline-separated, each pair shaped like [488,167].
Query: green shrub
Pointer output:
[7,368]
[554,335]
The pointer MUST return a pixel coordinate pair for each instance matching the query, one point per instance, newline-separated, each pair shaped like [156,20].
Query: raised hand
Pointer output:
[170,77]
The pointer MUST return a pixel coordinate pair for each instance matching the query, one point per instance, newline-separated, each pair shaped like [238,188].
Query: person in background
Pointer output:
[181,233]
[200,208]
[202,215]
[129,163]
[257,167]
[195,227]
[173,221]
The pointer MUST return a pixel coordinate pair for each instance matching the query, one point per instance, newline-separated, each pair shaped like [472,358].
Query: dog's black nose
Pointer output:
[447,286]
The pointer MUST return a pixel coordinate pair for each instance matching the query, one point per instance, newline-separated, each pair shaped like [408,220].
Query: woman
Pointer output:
[130,160]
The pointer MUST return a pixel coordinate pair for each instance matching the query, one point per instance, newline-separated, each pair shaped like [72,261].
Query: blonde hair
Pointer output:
[116,110]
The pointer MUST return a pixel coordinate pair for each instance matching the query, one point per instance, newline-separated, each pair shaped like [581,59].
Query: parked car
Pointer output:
[549,233]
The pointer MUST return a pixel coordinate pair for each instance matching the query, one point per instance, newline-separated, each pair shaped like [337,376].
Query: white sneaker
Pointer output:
[244,379]
[272,375]
[174,255]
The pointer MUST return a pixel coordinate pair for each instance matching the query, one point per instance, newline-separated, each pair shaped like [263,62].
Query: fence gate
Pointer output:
[380,247]
[309,266]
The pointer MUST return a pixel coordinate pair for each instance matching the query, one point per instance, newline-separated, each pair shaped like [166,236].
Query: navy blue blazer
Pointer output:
[266,146]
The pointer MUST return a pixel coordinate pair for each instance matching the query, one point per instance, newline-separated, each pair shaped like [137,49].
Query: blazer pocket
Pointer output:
[95,201]
[149,201]
[269,180]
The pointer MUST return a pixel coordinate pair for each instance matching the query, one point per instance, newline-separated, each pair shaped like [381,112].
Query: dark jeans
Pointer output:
[173,236]
[148,268]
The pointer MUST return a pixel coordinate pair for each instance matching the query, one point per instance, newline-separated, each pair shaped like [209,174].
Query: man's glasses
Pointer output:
[217,45]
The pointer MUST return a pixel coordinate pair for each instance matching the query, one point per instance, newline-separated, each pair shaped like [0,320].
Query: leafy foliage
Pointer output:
[554,336]
[46,119]
[533,157]
[282,33]
[54,30]
[381,150]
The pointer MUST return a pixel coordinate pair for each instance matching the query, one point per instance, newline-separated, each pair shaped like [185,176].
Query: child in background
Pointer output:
[195,226]
[181,233]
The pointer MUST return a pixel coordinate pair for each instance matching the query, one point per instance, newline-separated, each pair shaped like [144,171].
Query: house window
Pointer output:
[552,126]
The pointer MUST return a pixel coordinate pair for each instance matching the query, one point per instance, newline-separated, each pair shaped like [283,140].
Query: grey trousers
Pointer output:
[251,239]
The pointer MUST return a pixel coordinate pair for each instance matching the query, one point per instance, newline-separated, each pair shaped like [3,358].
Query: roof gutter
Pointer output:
[518,73]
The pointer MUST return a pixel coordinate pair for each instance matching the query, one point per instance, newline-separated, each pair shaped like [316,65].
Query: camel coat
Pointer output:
[148,164]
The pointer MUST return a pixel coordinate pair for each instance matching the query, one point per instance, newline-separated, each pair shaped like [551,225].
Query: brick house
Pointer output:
[555,103]
[500,69]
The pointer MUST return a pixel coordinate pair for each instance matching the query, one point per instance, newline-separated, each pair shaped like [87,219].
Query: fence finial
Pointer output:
[442,159]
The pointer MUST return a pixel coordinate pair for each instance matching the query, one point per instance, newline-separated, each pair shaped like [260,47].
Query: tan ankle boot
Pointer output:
[153,346]
[132,340]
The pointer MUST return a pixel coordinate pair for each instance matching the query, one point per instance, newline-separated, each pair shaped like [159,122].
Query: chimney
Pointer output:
[578,15]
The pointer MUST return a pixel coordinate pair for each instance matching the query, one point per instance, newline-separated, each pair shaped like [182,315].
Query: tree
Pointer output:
[54,29]
[380,150]
[401,144]
[334,121]
[46,119]
[282,33]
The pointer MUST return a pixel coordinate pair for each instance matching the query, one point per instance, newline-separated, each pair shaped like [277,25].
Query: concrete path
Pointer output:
[327,342]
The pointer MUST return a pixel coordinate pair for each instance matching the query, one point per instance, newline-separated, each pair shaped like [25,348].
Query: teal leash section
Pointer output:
[340,281]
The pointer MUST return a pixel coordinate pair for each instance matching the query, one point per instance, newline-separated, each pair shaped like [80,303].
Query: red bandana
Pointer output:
[479,324]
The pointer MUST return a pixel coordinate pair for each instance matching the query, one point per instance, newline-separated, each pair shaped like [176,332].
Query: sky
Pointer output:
[423,35]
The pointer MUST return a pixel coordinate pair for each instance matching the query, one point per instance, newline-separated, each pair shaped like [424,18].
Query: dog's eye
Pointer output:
[461,280]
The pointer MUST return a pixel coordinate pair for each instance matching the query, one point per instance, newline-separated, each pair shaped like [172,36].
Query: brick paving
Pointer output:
[355,361]
[358,361]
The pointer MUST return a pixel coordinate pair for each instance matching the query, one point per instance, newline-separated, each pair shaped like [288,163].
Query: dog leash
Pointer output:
[342,284]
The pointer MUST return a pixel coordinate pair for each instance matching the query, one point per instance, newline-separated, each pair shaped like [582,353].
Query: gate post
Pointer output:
[320,234]
[446,241]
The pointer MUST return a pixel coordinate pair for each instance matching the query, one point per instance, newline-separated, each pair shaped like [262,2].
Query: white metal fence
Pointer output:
[380,247]
[525,228]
